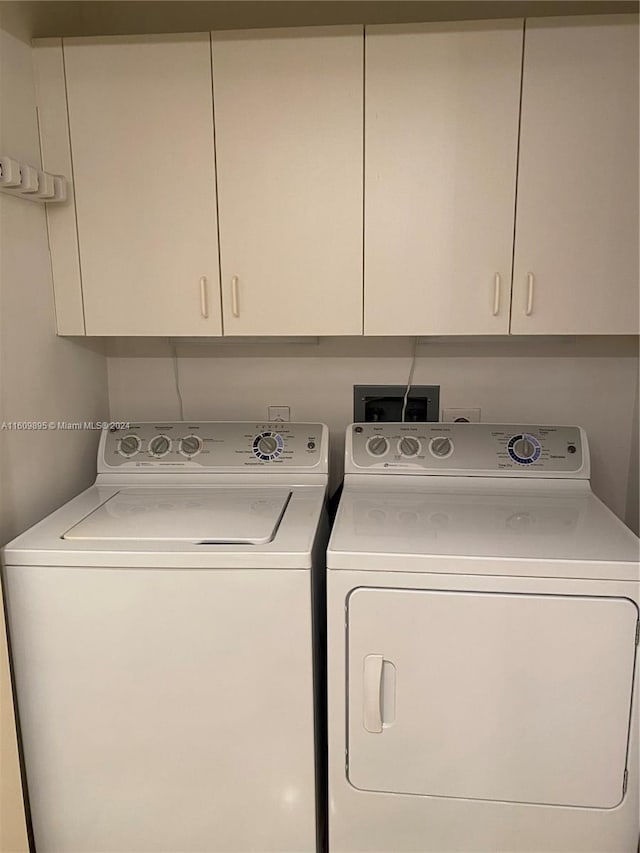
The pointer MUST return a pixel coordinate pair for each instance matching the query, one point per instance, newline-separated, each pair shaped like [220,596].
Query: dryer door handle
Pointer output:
[372,693]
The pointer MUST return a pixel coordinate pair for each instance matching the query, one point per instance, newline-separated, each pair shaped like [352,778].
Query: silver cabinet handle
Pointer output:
[530,283]
[372,690]
[496,295]
[235,302]
[204,301]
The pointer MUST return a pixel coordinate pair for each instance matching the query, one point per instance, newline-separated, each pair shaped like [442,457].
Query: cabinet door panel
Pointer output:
[141,127]
[441,133]
[576,248]
[288,116]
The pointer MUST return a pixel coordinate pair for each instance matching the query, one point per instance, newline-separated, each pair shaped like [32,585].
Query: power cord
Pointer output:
[176,376]
[409,380]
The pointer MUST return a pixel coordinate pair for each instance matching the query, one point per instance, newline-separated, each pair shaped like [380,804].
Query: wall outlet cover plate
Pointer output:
[462,416]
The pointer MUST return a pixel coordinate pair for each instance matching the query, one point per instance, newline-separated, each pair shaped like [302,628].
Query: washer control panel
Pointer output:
[213,445]
[461,449]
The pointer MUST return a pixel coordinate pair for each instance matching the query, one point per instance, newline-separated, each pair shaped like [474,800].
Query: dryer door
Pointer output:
[521,698]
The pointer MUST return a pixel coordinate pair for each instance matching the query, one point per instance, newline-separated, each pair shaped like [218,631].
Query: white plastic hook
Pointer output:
[20,179]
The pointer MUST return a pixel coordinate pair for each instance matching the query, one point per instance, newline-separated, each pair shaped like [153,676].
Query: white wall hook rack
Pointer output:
[29,182]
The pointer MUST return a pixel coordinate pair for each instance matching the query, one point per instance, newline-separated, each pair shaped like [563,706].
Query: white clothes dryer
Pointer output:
[161,630]
[482,644]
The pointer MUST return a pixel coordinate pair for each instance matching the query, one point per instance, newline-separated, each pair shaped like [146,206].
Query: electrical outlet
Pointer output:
[279,413]
[461,416]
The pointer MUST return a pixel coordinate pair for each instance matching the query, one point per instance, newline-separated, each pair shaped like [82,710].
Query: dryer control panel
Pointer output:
[213,446]
[457,449]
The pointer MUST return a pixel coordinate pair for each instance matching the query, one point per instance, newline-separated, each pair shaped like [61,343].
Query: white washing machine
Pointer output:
[482,643]
[161,636]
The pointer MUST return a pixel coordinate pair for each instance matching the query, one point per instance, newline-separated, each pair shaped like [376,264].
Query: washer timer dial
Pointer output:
[268,446]
[129,445]
[159,446]
[190,445]
[524,449]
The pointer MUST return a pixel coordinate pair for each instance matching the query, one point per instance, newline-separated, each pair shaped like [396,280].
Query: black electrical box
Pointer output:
[384,403]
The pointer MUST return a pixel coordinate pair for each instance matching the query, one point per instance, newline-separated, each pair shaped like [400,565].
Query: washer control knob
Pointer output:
[129,445]
[524,447]
[190,445]
[268,444]
[160,445]
[441,447]
[409,446]
[377,445]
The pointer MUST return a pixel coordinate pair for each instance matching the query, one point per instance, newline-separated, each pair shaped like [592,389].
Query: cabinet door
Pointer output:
[288,118]
[441,135]
[576,247]
[141,127]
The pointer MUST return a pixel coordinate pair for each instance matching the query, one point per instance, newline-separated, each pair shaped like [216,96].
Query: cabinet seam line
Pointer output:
[515,201]
[215,184]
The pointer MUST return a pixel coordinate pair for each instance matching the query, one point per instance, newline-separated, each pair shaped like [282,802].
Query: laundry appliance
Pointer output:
[482,644]
[161,628]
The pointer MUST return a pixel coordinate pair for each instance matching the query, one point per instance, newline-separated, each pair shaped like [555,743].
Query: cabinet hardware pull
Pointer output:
[496,295]
[235,306]
[529,309]
[204,302]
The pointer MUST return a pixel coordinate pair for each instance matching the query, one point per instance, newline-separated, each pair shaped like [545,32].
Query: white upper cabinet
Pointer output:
[288,125]
[576,245]
[141,130]
[441,142]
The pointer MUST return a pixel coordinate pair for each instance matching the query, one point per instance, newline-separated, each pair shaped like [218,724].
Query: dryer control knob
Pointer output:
[409,446]
[441,447]
[377,445]
[524,448]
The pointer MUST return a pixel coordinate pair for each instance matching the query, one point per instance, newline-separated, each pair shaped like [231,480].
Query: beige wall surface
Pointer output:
[42,378]
[587,382]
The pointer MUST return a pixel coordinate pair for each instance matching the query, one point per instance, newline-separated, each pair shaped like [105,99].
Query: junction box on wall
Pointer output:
[385,403]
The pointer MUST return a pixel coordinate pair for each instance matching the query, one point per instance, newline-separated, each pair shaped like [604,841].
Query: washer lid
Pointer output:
[199,516]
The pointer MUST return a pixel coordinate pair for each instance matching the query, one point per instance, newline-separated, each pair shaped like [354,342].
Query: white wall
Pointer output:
[42,378]
[589,382]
